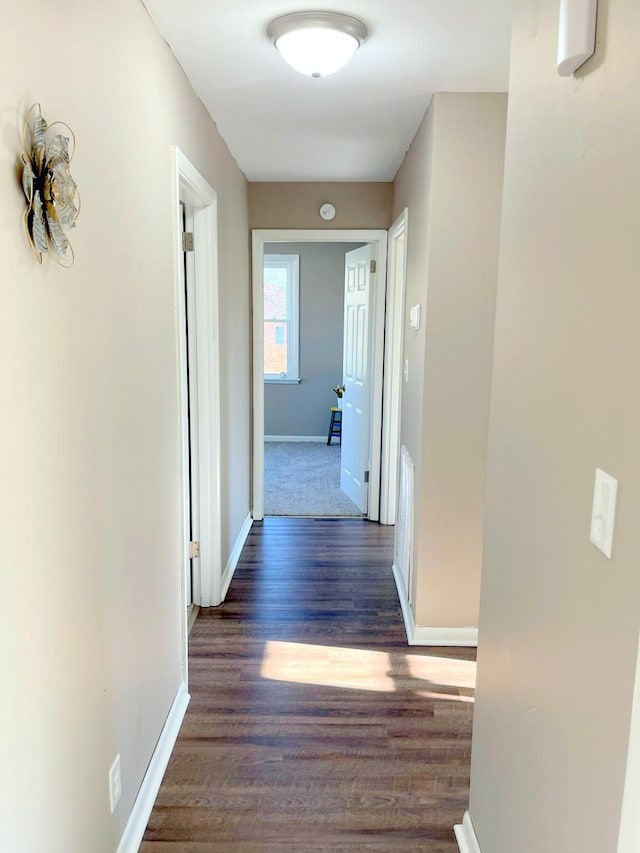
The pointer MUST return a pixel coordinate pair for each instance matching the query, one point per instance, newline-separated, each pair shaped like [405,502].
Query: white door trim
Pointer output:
[629,834]
[357,350]
[187,285]
[393,352]
[191,188]
[379,239]
[466,836]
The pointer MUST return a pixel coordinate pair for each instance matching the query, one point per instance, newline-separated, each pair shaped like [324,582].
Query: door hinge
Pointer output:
[366,476]
[373,266]
[194,550]
[187,241]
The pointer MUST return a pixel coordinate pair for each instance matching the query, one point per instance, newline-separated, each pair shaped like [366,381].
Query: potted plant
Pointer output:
[339,391]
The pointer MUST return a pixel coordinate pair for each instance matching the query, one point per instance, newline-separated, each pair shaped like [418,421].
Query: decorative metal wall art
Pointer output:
[53,203]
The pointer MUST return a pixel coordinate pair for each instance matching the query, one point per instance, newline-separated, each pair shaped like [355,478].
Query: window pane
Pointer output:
[275,346]
[280,314]
[275,293]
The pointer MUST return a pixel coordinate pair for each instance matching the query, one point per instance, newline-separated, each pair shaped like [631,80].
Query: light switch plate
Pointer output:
[414,316]
[603,513]
[115,783]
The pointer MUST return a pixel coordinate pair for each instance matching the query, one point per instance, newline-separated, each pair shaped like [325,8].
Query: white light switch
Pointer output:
[115,783]
[604,511]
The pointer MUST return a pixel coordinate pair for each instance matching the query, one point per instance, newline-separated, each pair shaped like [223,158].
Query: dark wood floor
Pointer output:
[312,725]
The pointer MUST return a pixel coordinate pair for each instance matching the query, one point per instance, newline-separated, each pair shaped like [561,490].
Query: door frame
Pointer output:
[189,187]
[393,353]
[629,831]
[376,237]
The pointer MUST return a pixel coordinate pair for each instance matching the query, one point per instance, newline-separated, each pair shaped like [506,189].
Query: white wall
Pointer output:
[89,441]
[559,622]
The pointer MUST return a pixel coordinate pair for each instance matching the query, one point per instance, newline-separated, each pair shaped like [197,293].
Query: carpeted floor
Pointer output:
[303,478]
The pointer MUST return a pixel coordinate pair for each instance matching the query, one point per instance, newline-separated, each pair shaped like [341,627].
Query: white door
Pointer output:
[191,382]
[356,402]
[393,372]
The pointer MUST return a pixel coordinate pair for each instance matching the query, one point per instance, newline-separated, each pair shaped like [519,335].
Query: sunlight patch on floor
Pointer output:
[364,669]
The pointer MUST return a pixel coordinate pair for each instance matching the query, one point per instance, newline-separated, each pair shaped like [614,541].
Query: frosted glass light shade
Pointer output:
[317,43]
[317,52]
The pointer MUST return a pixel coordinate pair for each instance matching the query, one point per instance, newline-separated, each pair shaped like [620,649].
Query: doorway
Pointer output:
[190,381]
[378,241]
[395,373]
[197,342]
[303,328]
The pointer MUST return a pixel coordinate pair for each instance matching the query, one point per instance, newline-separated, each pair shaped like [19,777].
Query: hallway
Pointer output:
[312,725]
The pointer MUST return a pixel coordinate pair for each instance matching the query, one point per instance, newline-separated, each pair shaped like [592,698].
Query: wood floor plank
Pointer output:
[312,725]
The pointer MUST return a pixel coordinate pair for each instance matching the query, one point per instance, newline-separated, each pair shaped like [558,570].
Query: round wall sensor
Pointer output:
[327,212]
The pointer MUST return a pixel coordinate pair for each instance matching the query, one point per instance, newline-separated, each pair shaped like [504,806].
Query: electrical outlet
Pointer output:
[115,783]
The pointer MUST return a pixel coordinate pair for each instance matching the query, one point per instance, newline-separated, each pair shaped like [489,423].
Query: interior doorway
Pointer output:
[197,343]
[378,241]
[395,373]
[190,381]
[304,336]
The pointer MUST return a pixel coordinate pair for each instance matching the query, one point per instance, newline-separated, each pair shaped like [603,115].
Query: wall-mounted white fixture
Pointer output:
[603,514]
[414,316]
[576,34]
[328,211]
[115,783]
[317,43]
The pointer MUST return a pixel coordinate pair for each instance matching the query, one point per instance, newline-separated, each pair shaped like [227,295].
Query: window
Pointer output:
[281,277]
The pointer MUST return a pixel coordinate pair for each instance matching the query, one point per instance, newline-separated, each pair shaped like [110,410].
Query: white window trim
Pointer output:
[292,264]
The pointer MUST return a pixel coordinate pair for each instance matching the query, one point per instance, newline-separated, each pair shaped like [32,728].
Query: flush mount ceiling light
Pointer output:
[317,43]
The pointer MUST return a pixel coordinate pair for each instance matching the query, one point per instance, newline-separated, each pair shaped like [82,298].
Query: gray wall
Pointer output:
[559,622]
[304,409]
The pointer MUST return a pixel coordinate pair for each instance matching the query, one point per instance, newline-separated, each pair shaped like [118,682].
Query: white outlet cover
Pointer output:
[115,783]
[603,513]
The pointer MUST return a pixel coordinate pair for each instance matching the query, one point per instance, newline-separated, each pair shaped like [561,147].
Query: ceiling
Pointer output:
[355,125]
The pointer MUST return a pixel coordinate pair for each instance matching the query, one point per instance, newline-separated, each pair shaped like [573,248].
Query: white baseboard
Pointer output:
[232,563]
[418,635]
[139,817]
[407,615]
[423,636]
[296,438]
[466,836]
